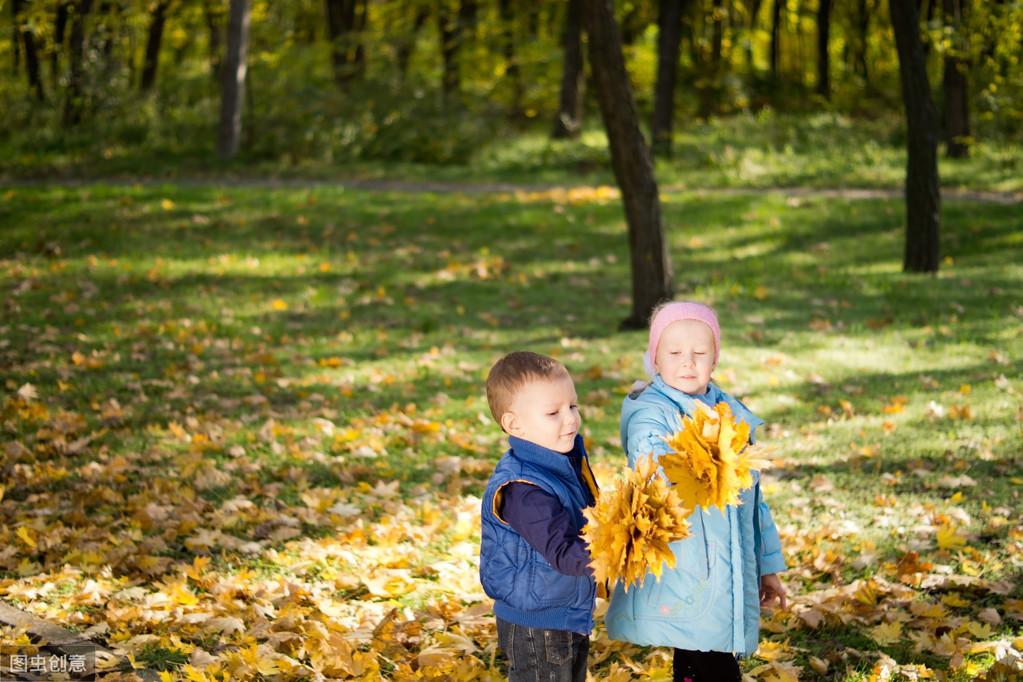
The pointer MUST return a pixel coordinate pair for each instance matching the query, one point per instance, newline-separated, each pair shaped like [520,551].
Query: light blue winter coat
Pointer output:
[710,601]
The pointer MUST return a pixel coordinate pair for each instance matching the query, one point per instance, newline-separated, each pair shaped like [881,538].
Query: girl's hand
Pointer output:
[771,589]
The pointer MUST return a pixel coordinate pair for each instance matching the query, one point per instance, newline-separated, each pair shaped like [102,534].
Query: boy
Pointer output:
[532,560]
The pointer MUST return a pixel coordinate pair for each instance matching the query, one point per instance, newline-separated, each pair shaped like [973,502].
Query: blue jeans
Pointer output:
[538,655]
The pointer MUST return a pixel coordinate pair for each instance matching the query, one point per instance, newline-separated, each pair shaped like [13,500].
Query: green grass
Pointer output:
[225,321]
[768,149]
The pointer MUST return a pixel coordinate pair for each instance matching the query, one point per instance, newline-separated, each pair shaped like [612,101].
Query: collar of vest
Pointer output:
[560,462]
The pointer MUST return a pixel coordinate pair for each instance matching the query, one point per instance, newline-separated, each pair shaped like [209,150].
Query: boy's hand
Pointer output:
[771,589]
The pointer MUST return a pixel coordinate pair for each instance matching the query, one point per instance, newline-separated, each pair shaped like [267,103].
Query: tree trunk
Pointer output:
[923,194]
[568,121]
[708,84]
[633,168]
[511,69]
[777,10]
[15,38]
[59,28]
[862,34]
[823,41]
[74,102]
[751,29]
[669,41]
[215,25]
[28,40]
[449,30]
[359,56]
[408,43]
[152,59]
[956,92]
[924,37]
[233,82]
[341,17]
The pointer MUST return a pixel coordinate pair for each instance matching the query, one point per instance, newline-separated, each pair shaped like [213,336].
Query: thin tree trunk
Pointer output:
[359,55]
[59,28]
[233,83]
[449,30]
[669,41]
[407,44]
[74,102]
[514,74]
[823,41]
[752,29]
[340,25]
[777,10]
[215,25]
[633,168]
[152,59]
[923,194]
[924,37]
[862,34]
[956,91]
[568,121]
[15,38]
[28,39]
[709,86]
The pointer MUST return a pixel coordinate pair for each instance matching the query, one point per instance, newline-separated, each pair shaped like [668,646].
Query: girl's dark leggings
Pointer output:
[705,666]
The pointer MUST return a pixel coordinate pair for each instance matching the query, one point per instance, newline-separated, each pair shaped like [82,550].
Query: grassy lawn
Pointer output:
[750,150]
[245,432]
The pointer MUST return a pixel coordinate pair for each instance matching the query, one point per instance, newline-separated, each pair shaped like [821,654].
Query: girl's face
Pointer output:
[686,356]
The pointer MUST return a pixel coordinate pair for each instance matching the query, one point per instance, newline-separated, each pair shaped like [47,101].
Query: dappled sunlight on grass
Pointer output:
[237,419]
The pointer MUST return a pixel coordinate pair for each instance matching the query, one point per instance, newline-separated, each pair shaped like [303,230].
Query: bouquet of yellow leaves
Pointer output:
[710,461]
[630,527]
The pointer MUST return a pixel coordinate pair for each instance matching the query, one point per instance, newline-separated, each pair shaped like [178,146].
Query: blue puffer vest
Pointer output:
[525,587]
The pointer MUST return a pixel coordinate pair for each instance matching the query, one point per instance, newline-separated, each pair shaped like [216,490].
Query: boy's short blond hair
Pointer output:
[515,370]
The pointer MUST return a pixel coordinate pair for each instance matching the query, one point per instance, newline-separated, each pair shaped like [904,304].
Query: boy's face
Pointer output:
[545,412]
[686,356]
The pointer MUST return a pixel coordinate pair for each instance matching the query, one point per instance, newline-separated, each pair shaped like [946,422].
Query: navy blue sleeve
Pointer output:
[540,519]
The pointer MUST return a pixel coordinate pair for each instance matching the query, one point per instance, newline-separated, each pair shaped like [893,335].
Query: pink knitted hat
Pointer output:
[675,312]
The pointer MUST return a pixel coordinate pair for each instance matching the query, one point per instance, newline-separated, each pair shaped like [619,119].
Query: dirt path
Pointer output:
[444,187]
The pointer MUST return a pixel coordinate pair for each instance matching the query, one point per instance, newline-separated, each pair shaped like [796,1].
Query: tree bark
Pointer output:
[956,91]
[15,38]
[633,168]
[449,30]
[777,10]
[568,121]
[512,72]
[233,82]
[152,59]
[669,41]
[751,30]
[708,84]
[862,34]
[59,29]
[408,43]
[74,102]
[341,18]
[923,194]
[28,40]
[215,25]
[823,42]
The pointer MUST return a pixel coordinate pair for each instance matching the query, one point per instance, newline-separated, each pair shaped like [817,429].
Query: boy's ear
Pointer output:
[509,422]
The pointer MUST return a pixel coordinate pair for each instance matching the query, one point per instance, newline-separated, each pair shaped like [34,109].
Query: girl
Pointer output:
[708,607]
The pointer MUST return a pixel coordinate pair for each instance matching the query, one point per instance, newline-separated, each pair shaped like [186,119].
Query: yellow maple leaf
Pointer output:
[26,536]
[631,526]
[886,633]
[948,538]
[710,461]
